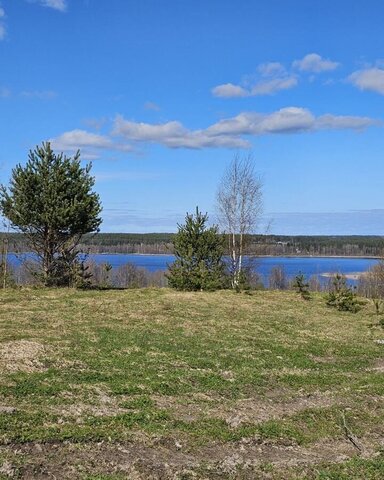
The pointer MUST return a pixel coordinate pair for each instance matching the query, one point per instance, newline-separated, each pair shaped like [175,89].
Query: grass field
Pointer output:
[157,384]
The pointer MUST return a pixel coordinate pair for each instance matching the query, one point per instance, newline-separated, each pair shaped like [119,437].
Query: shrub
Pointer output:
[341,296]
[198,251]
[277,279]
[301,286]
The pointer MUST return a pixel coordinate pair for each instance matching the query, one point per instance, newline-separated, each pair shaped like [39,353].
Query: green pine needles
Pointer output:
[341,296]
[51,201]
[301,286]
[199,251]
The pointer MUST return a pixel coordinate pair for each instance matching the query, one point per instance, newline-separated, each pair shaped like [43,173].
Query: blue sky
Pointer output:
[161,95]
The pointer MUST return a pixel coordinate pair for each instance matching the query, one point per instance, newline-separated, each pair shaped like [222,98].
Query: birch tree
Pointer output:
[239,204]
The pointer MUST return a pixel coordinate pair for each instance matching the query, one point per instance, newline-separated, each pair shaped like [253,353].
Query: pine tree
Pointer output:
[199,252]
[50,200]
[301,286]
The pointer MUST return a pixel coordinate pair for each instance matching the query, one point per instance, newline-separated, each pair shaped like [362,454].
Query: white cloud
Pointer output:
[60,5]
[228,90]
[264,87]
[369,79]
[314,63]
[271,68]
[173,135]
[341,122]
[230,132]
[89,143]
[286,120]
[233,132]
[2,12]
[269,87]
[270,79]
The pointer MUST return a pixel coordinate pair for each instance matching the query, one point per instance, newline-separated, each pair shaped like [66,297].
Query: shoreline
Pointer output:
[357,257]
[368,257]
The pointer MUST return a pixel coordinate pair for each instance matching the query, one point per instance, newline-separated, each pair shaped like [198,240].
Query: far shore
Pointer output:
[349,276]
[368,257]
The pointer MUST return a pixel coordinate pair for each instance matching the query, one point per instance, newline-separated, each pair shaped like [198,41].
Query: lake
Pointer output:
[292,265]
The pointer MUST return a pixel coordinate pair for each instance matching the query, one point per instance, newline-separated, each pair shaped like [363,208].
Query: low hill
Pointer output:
[157,384]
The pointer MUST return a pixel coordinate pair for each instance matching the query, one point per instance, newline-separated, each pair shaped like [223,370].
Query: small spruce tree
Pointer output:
[341,296]
[301,286]
[199,251]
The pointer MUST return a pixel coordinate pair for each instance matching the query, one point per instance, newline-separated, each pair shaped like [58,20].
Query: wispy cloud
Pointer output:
[271,68]
[355,222]
[273,85]
[230,132]
[127,176]
[270,78]
[369,79]
[5,92]
[95,123]
[60,5]
[28,94]
[273,77]
[39,94]
[314,63]
[89,143]
[140,220]
[152,106]
[3,30]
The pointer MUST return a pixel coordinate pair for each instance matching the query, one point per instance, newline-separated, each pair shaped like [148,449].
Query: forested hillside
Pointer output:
[161,243]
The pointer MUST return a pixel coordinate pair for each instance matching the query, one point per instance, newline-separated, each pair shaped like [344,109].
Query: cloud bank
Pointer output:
[233,132]
[230,132]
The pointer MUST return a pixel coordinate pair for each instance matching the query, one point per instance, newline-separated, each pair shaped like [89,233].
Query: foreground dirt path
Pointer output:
[166,459]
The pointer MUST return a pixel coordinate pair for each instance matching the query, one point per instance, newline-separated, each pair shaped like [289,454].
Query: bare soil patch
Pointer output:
[378,366]
[158,462]
[250,410]
[103,405]
[21,356]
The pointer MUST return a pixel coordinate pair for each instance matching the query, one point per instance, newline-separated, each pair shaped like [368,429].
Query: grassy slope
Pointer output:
[162,384]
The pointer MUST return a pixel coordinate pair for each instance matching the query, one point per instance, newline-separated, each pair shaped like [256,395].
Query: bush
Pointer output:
[341,296]
[277,279]
[198,251]
[299,284]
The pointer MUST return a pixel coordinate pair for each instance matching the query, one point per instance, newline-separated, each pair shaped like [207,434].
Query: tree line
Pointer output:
[259,244]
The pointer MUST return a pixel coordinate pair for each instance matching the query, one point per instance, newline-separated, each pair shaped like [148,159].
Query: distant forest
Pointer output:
[264,245]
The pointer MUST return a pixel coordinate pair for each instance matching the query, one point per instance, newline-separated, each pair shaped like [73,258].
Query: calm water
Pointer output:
[292,265]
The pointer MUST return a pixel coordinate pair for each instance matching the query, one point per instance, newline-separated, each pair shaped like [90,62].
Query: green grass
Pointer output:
[210,372]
